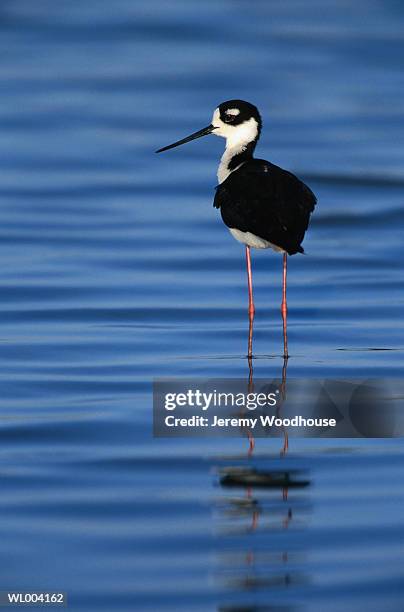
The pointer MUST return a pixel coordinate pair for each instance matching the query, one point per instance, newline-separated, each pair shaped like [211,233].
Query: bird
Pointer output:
[263,205]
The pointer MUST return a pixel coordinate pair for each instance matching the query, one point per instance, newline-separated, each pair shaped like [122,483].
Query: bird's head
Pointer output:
[237,121]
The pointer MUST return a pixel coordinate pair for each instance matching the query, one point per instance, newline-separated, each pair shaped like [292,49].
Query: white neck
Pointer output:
[237,140]
[223,170]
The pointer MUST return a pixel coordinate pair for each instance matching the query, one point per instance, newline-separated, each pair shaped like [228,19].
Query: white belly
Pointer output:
[254,241]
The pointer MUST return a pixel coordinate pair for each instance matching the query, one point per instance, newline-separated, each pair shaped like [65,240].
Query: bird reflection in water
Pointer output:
[280,402]
[258,500]
[254,502]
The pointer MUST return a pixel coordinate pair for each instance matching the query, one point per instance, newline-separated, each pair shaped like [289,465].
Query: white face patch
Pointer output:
[233,111]
[236,135]
[216,118]
[237,139]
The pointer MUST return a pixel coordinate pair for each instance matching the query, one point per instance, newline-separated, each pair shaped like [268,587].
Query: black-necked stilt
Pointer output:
[263,205]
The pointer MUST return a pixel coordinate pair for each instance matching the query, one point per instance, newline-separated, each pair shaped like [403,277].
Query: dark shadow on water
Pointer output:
[251,477]
[368,349]
[253,608]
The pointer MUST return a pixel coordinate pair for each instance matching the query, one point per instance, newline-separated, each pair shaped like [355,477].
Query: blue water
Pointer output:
[116,268]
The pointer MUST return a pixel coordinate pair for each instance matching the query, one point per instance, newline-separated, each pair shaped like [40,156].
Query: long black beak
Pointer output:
[204,132]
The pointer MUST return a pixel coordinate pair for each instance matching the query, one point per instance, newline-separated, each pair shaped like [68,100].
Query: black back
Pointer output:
[267,201]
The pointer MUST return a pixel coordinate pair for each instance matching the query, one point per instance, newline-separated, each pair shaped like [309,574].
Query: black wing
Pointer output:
[267,201]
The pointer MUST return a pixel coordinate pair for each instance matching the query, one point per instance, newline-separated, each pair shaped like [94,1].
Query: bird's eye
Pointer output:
[228,118]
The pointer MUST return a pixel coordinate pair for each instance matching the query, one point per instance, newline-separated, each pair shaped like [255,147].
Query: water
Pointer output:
[116,268]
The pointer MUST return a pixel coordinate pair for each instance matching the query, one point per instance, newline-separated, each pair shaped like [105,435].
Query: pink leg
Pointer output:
[251,311]
[284,308]
[251,308]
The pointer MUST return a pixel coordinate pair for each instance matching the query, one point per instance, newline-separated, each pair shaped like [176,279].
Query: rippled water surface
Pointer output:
[116,268]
